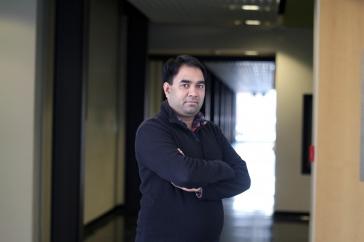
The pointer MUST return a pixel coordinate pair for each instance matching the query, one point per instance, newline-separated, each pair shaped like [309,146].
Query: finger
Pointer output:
[177,186]
[180,151]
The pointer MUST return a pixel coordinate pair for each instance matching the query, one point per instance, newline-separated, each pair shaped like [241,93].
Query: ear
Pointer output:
[166,88]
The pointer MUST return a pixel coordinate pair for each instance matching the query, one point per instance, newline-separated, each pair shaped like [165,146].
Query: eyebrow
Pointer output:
[188,81]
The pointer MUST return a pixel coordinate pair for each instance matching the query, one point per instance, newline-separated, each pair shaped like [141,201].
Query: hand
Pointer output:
[187,189]
[180,151]
[195,190]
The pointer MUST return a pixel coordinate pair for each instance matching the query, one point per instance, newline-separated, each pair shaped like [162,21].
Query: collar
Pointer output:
[198,121]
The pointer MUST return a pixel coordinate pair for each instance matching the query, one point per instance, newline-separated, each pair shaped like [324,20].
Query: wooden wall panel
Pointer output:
[338,209]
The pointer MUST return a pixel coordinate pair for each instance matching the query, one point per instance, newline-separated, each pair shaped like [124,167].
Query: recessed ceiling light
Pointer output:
[233,6]
[237,22]
[252,22]
[250,7]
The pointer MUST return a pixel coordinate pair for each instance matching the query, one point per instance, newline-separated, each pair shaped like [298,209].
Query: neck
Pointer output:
[187,120]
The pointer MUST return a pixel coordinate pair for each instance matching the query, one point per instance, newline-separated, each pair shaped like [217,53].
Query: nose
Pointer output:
[192,91]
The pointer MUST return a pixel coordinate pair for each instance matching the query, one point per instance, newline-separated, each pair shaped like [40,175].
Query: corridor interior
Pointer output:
[249,217]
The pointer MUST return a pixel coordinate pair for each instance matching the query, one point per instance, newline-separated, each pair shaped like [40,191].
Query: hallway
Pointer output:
[248,217]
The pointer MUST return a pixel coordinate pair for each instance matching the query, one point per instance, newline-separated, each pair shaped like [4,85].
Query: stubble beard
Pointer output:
[192,111]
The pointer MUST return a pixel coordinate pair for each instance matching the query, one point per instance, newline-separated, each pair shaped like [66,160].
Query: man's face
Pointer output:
[186,93]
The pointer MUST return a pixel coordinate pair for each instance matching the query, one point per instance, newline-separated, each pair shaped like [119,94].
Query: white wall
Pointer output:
[294,50]
[17,110]
[293,79]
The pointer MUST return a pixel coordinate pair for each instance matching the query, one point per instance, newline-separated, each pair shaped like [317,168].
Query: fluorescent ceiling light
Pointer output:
[251,52]
[250,7]
[237,22]
[252,22]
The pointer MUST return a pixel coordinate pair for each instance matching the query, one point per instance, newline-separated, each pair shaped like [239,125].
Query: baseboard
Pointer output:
[291,216]
[103,219]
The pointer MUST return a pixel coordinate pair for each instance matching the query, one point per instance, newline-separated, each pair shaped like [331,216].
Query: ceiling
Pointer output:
[251,76]
[245,76]
[206,12]
[229,13]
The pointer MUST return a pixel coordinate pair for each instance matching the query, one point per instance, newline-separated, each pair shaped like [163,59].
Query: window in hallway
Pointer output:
[255,136]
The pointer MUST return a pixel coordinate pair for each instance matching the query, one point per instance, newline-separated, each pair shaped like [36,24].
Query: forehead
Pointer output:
[190,73]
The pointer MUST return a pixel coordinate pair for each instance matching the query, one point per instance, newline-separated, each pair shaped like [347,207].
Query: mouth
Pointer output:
[192,102]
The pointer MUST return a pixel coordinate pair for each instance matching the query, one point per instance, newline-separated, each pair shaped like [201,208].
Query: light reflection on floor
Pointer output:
[248,216]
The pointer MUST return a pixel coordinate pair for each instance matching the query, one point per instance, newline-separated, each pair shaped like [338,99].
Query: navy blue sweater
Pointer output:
[167,213]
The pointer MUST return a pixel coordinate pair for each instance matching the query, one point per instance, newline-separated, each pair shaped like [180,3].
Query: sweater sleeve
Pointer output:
[233,186]
[156,150]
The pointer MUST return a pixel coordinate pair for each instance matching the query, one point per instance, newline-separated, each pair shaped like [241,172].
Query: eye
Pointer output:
[201,86]
[185,85]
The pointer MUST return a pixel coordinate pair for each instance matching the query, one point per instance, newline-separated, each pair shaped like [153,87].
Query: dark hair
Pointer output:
[172,66]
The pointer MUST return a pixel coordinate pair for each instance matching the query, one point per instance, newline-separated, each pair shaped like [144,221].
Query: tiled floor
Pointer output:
[248,217]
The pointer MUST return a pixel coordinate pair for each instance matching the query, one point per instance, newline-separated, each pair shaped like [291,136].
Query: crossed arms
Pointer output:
[157,151]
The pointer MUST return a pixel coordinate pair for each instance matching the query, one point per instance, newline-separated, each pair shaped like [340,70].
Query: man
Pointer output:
[186,165]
